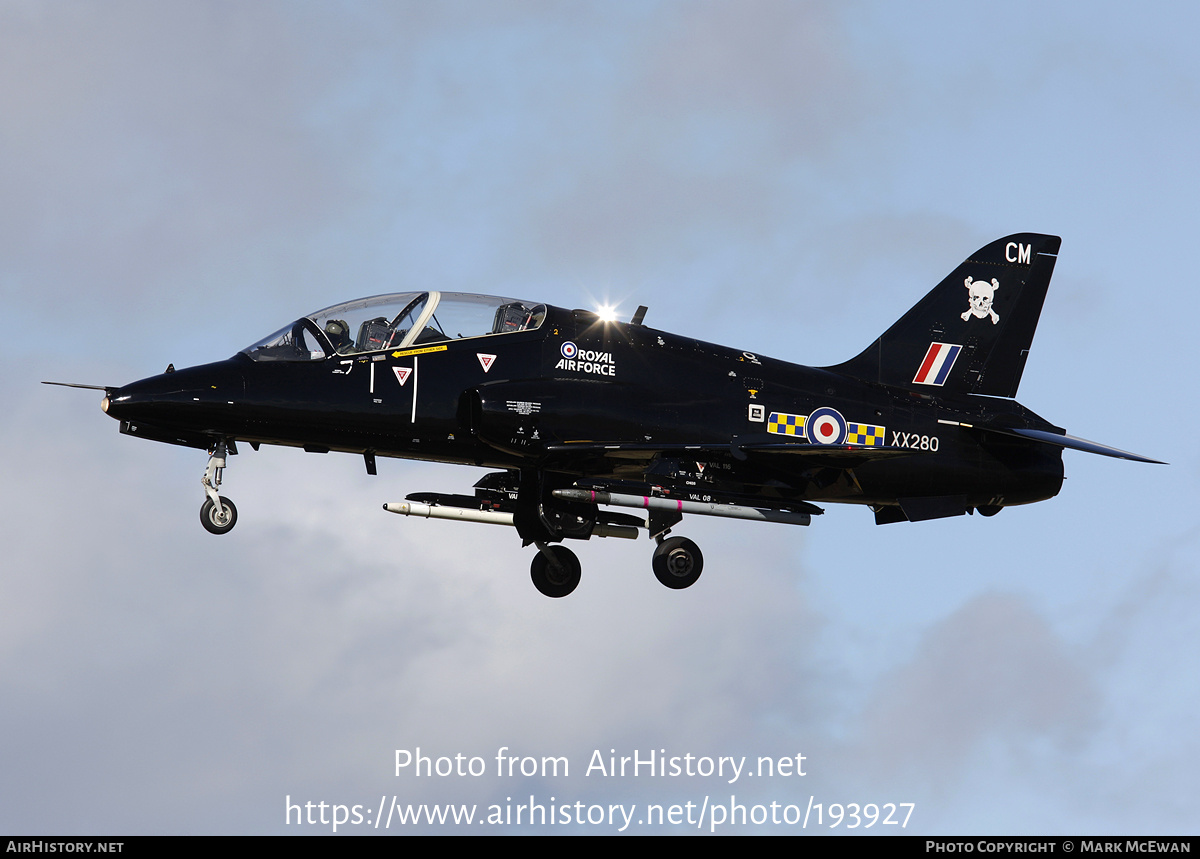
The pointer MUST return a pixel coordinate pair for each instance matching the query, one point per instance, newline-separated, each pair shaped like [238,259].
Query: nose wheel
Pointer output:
[218,519]
[677,563]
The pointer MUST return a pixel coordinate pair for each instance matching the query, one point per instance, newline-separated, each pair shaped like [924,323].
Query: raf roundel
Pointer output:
[826,426]
[569,349]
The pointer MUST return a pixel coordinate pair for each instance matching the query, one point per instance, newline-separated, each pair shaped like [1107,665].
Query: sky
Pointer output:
[783,177]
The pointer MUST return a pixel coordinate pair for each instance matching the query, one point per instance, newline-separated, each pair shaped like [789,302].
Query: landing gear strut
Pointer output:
[217,515]
[678,562]
[555,570]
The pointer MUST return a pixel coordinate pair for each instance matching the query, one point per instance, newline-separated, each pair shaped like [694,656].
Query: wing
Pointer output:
[819,455]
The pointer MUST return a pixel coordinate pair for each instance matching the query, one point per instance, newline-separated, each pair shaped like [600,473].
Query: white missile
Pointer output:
[700,508]
[491,517]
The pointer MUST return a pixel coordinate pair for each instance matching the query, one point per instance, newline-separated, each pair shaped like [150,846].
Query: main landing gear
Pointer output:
[678,562]
[217,514]
[545,516]
[555,570]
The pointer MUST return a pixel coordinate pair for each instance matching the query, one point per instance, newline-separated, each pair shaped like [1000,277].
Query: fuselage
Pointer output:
[525,396]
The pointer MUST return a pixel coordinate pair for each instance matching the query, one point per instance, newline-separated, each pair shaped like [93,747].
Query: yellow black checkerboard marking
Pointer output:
[785,424]
[865,434]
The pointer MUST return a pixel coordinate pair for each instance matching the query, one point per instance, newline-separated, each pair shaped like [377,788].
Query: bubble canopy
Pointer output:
[399,320]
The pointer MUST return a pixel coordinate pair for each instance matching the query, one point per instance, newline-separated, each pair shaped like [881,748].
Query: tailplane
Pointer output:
[972,332]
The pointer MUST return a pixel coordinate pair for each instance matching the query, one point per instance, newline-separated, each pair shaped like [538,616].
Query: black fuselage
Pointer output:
[585,398]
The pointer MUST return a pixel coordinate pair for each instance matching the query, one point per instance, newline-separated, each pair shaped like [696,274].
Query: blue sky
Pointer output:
[181,179]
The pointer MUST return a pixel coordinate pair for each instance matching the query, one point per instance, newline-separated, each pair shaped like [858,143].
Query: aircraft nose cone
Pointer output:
[182,398]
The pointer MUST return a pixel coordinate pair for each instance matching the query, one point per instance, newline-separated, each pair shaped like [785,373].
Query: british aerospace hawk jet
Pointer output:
[578,414]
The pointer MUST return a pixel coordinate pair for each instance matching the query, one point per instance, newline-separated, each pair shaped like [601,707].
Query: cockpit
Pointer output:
[402,320]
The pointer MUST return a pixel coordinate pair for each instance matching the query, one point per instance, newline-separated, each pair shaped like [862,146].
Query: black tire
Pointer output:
[218,522]
[678,562]
[989,509]
[550,581]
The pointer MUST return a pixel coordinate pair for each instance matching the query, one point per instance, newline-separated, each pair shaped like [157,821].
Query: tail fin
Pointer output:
[972,332]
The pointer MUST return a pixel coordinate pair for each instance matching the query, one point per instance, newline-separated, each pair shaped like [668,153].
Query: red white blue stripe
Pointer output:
[937,364]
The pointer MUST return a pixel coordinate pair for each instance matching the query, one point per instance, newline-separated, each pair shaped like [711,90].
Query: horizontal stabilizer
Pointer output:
[1070,441]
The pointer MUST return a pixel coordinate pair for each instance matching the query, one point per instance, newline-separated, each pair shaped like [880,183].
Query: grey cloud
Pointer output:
[782,64]
[994,670]
[146,140]
[718,114]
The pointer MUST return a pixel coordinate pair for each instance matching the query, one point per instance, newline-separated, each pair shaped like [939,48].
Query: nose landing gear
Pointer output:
[218,519]
[217,514]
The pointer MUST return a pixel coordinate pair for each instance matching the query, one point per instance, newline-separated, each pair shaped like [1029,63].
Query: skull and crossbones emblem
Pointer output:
[980,295]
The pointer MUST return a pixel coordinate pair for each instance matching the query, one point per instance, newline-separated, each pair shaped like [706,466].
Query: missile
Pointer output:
[492,517]
[700,508]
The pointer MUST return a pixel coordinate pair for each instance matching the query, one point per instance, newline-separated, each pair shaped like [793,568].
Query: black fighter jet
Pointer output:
[577,413]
